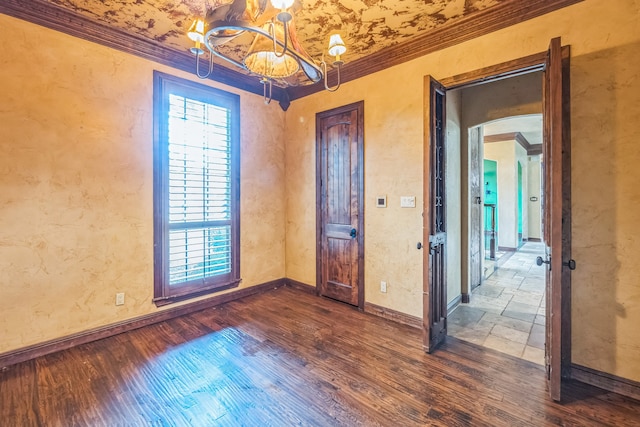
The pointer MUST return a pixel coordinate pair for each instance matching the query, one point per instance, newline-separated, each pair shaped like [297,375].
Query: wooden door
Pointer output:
[475,207]
[340,184]
[556,154]
[434,318]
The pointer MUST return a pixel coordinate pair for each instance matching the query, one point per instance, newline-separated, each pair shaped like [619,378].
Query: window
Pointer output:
[196,189]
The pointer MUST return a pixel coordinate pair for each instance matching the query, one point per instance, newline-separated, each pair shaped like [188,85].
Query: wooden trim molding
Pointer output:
[376,310]
[517,137]
[47,347]
[606,381]
[455,303]
[47,14]
[497,72]
[294,284]
[467,28]
[26,353]
[393,315]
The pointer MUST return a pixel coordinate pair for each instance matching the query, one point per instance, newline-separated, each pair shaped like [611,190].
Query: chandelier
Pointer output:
[274,53]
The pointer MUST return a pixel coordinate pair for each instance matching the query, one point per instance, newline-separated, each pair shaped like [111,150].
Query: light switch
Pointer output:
[407,201]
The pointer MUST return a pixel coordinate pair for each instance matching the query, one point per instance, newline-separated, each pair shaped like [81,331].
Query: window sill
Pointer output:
[161,301]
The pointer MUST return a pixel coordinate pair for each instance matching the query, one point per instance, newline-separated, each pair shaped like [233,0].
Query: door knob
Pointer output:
[571,263]
[540,261]
[353,233]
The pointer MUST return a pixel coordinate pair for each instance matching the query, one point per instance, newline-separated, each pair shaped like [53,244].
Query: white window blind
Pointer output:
[199,190]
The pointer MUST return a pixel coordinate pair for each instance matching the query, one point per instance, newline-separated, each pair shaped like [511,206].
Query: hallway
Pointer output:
[507,312]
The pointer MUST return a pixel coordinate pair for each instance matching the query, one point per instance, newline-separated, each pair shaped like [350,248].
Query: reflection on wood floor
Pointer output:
[288,358]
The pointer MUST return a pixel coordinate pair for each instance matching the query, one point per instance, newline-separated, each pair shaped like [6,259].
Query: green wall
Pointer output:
[490,189]
[519,204]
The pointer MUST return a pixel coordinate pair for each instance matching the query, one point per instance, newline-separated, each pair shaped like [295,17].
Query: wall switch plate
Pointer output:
[408,201]
[381,201]
[383,287]
[120,298]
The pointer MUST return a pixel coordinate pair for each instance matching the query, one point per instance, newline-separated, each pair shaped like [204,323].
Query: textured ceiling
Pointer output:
[366,25]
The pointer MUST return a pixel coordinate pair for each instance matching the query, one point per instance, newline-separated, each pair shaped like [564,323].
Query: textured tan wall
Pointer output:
[76,187]
[606,182]
[517,96]
[535,207]
[393,142]
[508,154]
[521,157]
[504,153]
[453,196]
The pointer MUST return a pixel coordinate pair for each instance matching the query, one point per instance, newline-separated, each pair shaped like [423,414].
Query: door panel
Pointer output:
[434,317]
[555,196]
[475,207]
[340,207]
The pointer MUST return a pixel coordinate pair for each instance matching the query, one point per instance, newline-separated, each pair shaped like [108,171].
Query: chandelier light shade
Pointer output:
[336,46]
[196,31]
[282,4]
[273,53]
[262,60]
[196,34]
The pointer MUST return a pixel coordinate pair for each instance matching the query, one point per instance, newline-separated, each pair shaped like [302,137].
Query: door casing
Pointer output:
[359,108]
[537,62]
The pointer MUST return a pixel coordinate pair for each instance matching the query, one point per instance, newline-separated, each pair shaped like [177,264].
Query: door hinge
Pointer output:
[548,372]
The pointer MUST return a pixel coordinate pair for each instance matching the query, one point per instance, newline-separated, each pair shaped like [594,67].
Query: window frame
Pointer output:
[163,86]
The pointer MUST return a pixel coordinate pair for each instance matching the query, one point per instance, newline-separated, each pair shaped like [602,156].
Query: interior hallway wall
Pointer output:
[504,154]
[535,206]
[516,96]
[453,196]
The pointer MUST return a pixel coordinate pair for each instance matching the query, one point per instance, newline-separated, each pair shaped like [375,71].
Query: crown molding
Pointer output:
[469,27]
[44,13]
[532,149]
[57,18]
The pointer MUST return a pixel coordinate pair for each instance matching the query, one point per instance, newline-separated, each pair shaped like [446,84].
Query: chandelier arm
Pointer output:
[323,65]
[310,68]
[209,69]
[265,81]
[286,40]
[230,60]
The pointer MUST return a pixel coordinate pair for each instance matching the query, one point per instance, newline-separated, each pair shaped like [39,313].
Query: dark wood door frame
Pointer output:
[359,107]
[528,64]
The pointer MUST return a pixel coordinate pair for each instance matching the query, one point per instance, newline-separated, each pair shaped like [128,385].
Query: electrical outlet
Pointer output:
[383,287]
[120,298]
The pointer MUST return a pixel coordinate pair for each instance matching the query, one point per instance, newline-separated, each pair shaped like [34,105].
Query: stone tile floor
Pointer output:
[507,312]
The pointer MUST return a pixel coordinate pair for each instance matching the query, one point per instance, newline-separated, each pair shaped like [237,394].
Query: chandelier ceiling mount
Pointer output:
[275,54]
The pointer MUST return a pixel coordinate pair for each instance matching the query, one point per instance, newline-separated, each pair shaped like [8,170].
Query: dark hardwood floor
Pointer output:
[287,358]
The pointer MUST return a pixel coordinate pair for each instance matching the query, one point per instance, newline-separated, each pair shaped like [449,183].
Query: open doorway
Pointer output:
[457,127]
[502,289]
